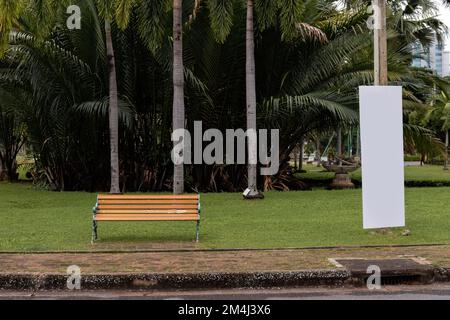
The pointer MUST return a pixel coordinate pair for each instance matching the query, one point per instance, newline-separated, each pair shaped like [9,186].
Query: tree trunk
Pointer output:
[178,117]
[318,154]
[446,151]
[294,152]
[339,145]
[2,172]
[350,143]
[358,143]
[251,100]
[301,153]
[11,170]
[380,43]
[113,111]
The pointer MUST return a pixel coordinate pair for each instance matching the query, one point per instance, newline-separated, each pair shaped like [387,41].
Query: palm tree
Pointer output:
[113,110]
[120,11]
[440,109]
[250,85]
[221,12]
[178,88]
[151,29]
[446,151]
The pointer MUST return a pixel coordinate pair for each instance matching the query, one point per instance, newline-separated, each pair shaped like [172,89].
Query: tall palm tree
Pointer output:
[221,12]
[151,19]
[120,11]
[113,110]
[250,85]
[178,88]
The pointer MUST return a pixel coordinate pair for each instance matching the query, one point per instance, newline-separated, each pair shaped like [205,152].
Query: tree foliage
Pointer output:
[311,56]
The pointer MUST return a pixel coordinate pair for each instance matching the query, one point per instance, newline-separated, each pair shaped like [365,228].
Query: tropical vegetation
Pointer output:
[94,108]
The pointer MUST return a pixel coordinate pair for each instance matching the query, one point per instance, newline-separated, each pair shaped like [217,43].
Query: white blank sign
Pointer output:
[381,122]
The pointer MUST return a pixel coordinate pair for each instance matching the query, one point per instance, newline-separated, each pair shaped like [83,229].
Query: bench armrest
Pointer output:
[94,208]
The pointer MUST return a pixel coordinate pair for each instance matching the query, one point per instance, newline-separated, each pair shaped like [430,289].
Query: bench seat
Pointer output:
[146,208]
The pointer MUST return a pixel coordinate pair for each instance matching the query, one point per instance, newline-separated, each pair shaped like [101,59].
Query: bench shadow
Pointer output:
[146,238]
[146,242]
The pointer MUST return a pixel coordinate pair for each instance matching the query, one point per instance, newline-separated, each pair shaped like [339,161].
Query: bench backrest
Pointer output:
[147,207]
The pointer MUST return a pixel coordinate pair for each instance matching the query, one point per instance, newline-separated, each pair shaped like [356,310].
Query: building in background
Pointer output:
[446,63]
[433,57]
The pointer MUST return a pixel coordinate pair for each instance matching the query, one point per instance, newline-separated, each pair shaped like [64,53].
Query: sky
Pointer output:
[445,17]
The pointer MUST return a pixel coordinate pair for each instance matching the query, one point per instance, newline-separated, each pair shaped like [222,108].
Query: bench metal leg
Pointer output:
[94,231]
[198,230]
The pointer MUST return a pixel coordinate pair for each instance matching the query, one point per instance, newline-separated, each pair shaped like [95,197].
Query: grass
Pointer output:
[426,173]
[36,220]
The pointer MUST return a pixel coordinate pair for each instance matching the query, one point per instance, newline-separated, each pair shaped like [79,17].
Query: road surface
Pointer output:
[401,292]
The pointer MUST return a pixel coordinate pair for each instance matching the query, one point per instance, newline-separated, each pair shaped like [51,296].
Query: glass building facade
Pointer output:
[433,57]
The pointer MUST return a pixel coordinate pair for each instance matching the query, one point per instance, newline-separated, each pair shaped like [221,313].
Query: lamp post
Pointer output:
[380,43]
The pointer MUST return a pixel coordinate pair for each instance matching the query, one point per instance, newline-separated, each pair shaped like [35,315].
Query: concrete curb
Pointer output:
[442,274]
[177,281]
[155,281]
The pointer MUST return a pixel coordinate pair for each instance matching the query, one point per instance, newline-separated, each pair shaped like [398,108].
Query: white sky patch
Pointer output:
[445,17]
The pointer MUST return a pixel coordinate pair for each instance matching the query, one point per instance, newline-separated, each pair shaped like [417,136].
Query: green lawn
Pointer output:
[37,220]
[426,173]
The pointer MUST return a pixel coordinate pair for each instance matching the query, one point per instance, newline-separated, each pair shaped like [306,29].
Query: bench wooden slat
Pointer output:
[130,207]
[147,197]
[147,211]
[142,201]
[146,208]
[153,217]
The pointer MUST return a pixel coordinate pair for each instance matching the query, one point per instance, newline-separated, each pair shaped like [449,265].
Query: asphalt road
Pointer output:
[423,292]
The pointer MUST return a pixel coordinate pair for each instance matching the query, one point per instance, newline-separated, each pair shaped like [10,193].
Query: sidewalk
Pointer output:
[184,269]
[211,261]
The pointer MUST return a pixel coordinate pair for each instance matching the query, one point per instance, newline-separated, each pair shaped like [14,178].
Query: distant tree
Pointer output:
[440,111]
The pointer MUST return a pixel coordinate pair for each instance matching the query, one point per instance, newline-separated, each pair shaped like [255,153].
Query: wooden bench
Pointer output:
[146,208]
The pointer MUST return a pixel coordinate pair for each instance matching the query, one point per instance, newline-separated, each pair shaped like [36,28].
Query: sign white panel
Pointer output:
[381,123]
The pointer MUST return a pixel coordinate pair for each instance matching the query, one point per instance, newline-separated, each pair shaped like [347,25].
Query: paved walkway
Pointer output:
[210,261]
